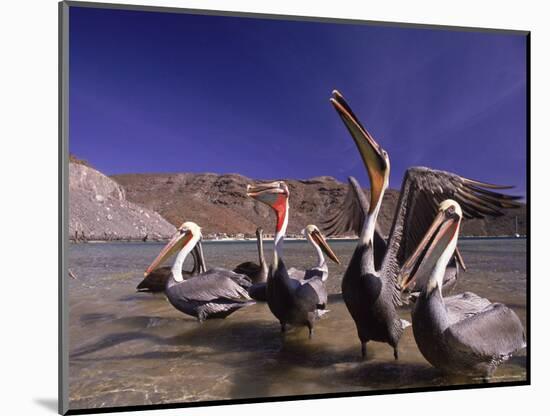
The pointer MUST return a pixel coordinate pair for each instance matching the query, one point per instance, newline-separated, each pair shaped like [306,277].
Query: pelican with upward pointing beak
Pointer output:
[257,273]
[371,286]
[464,334]
[292,300]
[216,293]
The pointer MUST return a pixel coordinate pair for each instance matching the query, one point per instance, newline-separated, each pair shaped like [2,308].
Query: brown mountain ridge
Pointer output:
[218,203]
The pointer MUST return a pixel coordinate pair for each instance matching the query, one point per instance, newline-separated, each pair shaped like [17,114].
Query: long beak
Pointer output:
[320,240]
[177,242]
[432,246]
[460,259]
[196,263]
[273,194]
[268,193]
[259,189]
[202,260]
[369,150]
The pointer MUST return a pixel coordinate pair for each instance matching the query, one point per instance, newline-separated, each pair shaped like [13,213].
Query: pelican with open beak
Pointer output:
[378,261]
[442,235]
[293,301]
[216,293]
[274,195]
[375,159]
[377,163]
[370,296]
[463,334]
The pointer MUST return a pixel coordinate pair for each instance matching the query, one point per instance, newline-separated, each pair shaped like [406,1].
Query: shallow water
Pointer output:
[129,348]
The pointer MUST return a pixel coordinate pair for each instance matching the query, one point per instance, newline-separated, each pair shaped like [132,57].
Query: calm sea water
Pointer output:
[129,348]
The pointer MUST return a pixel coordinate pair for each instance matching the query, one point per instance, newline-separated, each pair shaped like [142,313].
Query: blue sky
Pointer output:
[162,92]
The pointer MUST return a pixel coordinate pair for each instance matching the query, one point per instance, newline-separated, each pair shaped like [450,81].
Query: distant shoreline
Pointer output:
[288,239]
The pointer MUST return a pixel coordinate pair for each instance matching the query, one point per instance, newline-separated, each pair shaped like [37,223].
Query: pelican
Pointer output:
[155,282]
[313,235]
[316,239]
[466,334]
[215,293]
[292,301]
[370,286]
[256,272]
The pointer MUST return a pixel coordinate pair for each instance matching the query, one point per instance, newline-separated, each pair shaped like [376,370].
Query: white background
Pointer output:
[28,140]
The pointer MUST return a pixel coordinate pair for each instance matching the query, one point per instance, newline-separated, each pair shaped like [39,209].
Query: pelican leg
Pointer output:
[310,327]
[395,353]
[488,376]
[364,350]
[201,316]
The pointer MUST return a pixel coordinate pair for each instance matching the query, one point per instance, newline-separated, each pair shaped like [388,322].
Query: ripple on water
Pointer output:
[129,348]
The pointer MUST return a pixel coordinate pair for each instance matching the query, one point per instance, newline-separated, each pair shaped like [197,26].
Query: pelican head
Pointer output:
[314,235]
[375,158]
[274,194]
[268,193]
[436,248]
[186,236]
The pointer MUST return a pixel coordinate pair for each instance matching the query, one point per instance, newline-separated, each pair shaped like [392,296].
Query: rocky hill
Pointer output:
[218,203]
[76,160]
[99,210]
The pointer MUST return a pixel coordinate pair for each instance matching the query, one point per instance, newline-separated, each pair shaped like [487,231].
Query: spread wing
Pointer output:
[422,191]
[216,284]
[350,218]
[496,331]
[351,215]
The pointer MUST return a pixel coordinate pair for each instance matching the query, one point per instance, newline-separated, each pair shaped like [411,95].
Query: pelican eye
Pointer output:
[450,211]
